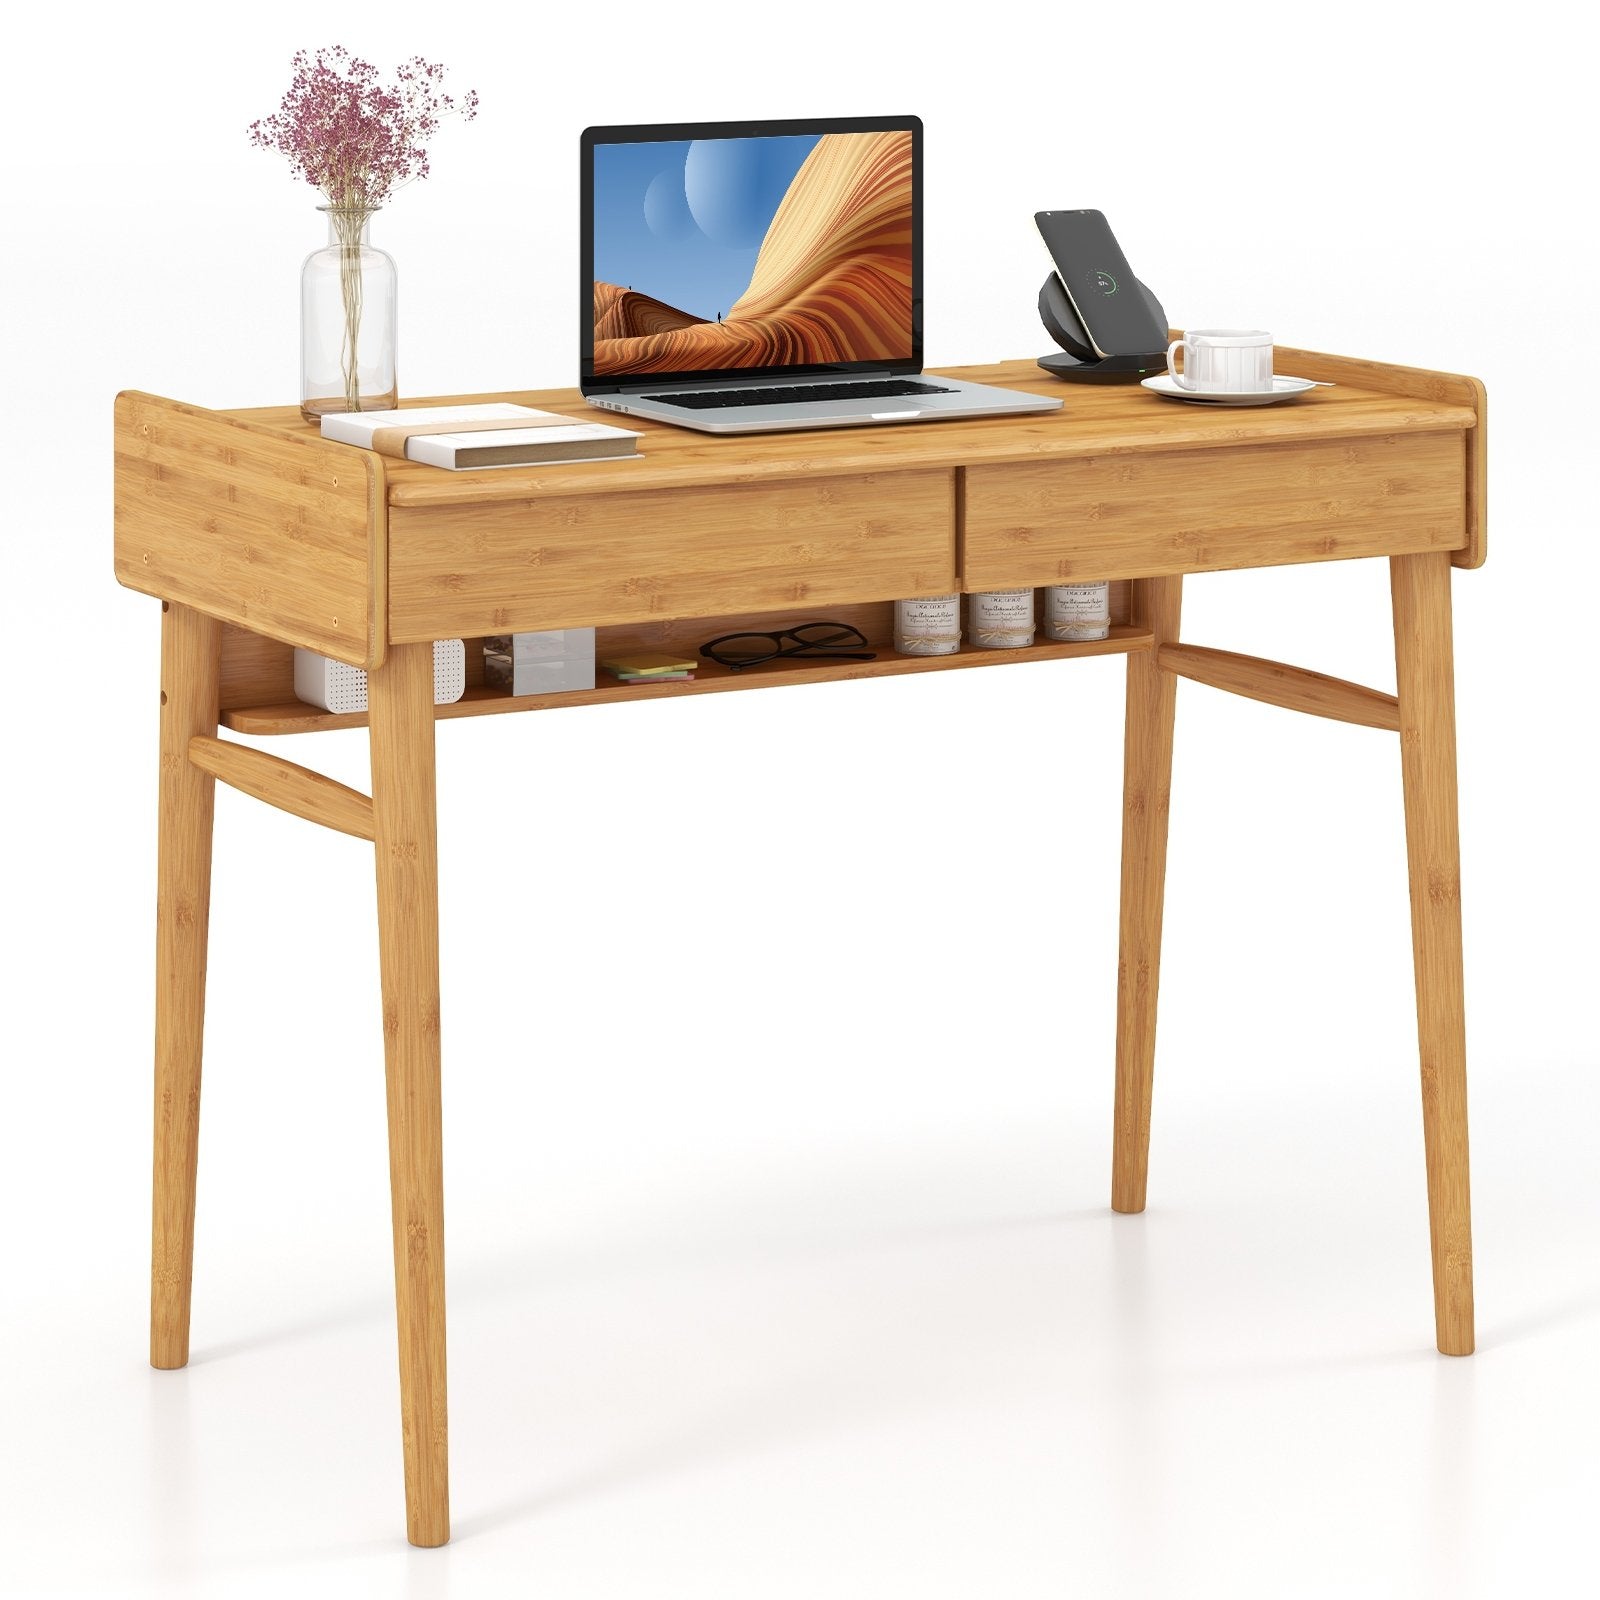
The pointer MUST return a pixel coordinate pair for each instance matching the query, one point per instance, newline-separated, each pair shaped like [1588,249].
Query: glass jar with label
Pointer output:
[928,627]
[1001,619]
[1077,612]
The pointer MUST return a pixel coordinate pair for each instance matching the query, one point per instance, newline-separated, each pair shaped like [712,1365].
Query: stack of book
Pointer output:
[466,438]
[649,666]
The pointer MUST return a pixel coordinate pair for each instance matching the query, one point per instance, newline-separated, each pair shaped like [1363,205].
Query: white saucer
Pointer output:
[1282,389]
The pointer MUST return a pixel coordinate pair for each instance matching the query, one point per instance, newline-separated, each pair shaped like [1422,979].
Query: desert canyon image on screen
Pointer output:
[831,275]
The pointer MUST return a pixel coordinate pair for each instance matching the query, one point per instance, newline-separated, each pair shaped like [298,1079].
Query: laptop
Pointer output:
[751,277]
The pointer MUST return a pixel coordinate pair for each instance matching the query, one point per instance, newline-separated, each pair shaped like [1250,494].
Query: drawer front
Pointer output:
[602,559]
[1138,516]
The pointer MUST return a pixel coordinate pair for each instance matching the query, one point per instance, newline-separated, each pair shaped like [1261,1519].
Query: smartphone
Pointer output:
[1100,283]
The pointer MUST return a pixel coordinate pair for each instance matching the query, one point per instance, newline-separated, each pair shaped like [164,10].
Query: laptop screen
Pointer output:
[728,249]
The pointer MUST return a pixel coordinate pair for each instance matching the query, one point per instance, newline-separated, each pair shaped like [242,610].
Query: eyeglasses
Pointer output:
[812,640]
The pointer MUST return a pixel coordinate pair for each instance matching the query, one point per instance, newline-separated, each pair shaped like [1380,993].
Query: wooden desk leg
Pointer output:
[1425,670]
[1146,793]
[401,724]
[191,646]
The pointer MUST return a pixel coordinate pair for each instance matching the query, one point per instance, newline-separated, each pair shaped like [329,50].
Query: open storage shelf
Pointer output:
[294,716]
[258,673]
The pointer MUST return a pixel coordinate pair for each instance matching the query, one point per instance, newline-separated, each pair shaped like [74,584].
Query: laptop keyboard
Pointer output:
[878,389]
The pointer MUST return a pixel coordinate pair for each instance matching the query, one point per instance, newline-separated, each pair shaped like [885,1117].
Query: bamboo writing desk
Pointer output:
[258,535]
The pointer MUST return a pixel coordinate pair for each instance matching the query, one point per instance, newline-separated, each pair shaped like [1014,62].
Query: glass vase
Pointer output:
[348,295]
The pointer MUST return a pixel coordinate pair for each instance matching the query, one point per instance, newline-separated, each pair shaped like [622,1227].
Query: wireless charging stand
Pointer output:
[1077,360]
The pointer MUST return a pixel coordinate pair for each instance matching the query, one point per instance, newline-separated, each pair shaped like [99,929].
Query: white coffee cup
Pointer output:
[1223,361]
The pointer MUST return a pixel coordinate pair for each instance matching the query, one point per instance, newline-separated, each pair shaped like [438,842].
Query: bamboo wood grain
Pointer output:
[1424,662]
[1146,801]
[1202,511]
[271,528]
[190,647]
[1444,387]
[581,562]
[400,695]
[256,669]
[285,785]
[1293,688]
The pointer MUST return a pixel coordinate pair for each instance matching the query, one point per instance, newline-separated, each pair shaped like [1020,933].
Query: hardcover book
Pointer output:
[466,438]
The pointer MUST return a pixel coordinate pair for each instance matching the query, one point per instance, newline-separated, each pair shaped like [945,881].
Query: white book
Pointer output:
[467,438]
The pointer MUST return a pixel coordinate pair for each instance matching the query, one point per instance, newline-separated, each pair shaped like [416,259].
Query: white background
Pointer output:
[778,1068]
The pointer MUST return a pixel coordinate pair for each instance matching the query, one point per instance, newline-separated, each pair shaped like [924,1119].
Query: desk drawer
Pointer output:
[1137,516]
[587,560]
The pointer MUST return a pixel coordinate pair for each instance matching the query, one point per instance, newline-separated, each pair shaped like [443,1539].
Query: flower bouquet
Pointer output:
[357,139]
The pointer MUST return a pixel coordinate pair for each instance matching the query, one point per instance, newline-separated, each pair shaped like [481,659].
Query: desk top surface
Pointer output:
[1095,420]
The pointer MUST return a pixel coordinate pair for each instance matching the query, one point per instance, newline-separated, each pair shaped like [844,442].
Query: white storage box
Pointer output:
[333,686]
[551,662]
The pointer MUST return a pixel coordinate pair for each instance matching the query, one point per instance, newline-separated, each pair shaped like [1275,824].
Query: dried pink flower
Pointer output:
[352,136]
